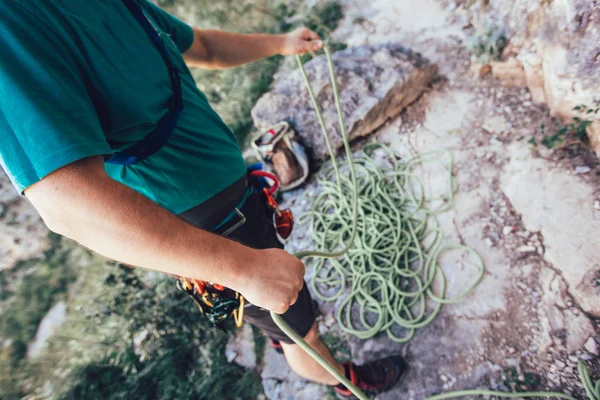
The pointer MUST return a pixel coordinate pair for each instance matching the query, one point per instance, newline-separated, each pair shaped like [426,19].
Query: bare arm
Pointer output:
[81,202]
[214,49]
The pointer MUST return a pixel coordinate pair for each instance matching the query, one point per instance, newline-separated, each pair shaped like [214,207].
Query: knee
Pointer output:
[313,334]
[311,338]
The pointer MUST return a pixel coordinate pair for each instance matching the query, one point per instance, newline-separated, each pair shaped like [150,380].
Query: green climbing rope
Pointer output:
[592,390]
[391,272]
[332,254]
[375,227]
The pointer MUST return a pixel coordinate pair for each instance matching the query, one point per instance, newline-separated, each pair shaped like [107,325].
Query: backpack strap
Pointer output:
[165,127]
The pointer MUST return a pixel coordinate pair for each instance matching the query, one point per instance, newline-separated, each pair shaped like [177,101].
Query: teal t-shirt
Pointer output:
[82,78]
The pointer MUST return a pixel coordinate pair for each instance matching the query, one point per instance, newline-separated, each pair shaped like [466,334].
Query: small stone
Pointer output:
[444,378]
[484,71]
[540,251]
[511,350]
[597,204]
[488,242]
[560,364]
[582,170]
[522,285]
[526,249]
[591,346]
[230,355]
[507,230]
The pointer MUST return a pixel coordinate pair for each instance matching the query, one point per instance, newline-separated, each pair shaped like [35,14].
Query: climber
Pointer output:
[105,132]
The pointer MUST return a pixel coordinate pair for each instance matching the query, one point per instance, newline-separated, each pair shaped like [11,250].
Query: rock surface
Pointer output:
[528,315]
[50,324]
[556,45]
[375,83]
[241,349]
[23,235]
[281,383]
[560,207]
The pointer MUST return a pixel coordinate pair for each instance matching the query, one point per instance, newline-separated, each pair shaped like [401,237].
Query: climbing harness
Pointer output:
[156,139]
[334,226]
[216,302]
[282,219]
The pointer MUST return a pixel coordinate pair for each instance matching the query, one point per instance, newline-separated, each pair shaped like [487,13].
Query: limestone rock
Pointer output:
[556,45]
[510,72]
[295,390]
[534,76]
[23,235]
[375,82]
[591,346]
[593,132]
[48,326]
[241,349]
[558,205]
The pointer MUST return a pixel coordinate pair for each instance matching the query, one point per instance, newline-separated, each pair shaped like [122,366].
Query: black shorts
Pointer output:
[259,232]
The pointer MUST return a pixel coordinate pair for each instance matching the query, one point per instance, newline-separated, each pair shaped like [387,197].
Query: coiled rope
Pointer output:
[375,227]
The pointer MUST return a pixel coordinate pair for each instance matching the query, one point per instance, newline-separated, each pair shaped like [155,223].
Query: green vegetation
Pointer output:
[488,45]
[233,92]
[165,349]
[574,131]
[260,342]
[34,296]
[129,334]
[471,3]
[45,282]
[526,382]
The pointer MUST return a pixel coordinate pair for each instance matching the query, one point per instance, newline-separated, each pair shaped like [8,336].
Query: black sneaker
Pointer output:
[373,377]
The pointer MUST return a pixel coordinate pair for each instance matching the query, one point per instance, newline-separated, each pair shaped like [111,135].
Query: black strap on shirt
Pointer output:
[154,140]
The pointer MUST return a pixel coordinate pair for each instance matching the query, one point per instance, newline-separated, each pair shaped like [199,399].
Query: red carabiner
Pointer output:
[269,175]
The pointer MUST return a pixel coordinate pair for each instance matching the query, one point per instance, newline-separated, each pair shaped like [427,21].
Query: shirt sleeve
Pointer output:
[181,33]
[47,119]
